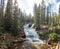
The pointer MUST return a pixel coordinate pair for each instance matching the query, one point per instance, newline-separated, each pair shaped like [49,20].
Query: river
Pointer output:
[31,33]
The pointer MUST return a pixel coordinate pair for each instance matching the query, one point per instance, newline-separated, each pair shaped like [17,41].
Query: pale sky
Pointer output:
[27,5]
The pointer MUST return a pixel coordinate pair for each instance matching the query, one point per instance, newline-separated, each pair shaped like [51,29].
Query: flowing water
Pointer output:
[31,33]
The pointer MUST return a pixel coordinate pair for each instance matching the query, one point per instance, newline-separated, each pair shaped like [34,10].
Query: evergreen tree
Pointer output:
[43,8]
[47,18]
[1,11]
[20,24]
[1,14]
[20,20]
[8,16]
[59,9]
[59,16]
[37,16]
[53,19]
[35,11]
[15,19]
[29,18]
[50,14]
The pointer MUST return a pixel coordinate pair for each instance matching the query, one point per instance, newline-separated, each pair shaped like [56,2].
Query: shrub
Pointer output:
[52,36]
[8,43]
[58,38]
[58,26]
[57,31]
[1,31]
[44,34]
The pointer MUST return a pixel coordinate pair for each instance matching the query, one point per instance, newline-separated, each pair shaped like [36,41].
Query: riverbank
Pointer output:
[27,45]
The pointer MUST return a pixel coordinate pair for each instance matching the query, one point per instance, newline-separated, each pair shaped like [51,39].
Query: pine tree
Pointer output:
[1,10]
[59,16]
[47,18]
[15,19]
[20,24]
[1,15]
[43,8]
[59,9]
[50,14]
[20,20]
[37,16]
[8,16]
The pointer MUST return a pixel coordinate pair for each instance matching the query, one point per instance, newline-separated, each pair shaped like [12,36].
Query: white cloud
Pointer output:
[57,6]
[27,5]
[52,1]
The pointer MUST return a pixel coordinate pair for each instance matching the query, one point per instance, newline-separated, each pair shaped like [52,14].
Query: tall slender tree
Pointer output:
[21,20]
[37,16]
[20,24]
[8,16]
[50,14]
[59,9]
[15,19]
[35,11]
[43,8]
[59,16]
[1,11]
[1,15]
[47,18]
